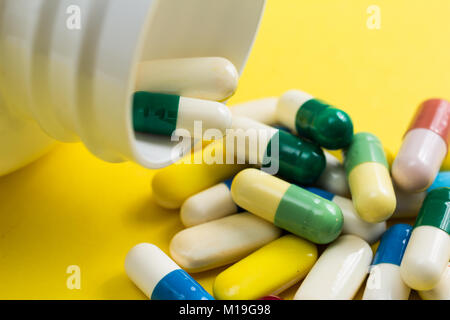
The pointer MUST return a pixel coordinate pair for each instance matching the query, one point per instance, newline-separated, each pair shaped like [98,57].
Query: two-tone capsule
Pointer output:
[277,151]
[159,277]
[267,271]
[353,224]
[210,78]
[220,242]
[287,206]
[428,250]
[385,281]
[311,118]
[210,204]
[368,177]
[166,114]
[172,185]
[339,271]
[261,110]
[424,146]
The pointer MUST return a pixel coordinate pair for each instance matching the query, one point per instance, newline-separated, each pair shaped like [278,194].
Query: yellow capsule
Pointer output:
[269,270]
[192,174]
[374,199]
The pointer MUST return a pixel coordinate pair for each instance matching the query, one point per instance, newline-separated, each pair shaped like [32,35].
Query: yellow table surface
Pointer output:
[70,208]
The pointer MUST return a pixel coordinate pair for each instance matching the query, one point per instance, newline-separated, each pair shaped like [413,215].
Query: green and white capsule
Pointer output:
[277,151]
[287,206]
[162,114]
[428,251]
[311,118]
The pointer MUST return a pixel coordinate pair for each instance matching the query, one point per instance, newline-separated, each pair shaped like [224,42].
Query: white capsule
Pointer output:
[211,78]
[426,257]
[210,204]
[339,272]
[261,110]
[333,178]
[220,242]
[419,159]
[441,291]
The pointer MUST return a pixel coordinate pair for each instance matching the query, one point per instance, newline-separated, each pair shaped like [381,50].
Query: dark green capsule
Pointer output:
[330,127]
[298,160]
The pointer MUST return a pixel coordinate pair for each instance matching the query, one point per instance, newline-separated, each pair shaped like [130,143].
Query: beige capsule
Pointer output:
[220,242]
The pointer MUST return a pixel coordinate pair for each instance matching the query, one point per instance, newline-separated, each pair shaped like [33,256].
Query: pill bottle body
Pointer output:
[69,67]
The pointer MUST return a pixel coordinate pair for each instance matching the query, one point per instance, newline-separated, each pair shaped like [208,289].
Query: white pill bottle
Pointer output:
[68,67]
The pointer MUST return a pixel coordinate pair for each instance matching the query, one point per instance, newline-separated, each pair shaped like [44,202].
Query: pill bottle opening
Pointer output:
[184,29]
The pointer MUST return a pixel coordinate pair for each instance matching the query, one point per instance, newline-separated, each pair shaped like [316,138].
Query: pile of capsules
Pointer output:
[270,228]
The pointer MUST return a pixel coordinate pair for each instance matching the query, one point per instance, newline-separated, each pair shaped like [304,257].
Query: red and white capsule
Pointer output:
[424,146]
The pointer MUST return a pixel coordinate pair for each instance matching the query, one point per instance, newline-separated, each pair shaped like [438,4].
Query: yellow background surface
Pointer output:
[70,208]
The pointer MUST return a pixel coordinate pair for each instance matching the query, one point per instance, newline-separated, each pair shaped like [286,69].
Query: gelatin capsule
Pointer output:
[268,271]
[424,146]
[209,78]
[165,114]
[369,180]
[287,206]
[385,281]
[339,271]
[159,277]
[220,242]
[311,118]
[428,251]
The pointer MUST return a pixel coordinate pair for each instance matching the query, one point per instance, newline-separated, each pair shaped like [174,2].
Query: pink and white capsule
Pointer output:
[424,147]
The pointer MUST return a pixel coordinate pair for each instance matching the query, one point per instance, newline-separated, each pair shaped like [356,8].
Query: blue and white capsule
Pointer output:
[353,224]
[210,204]
[385,281]
[159,277]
